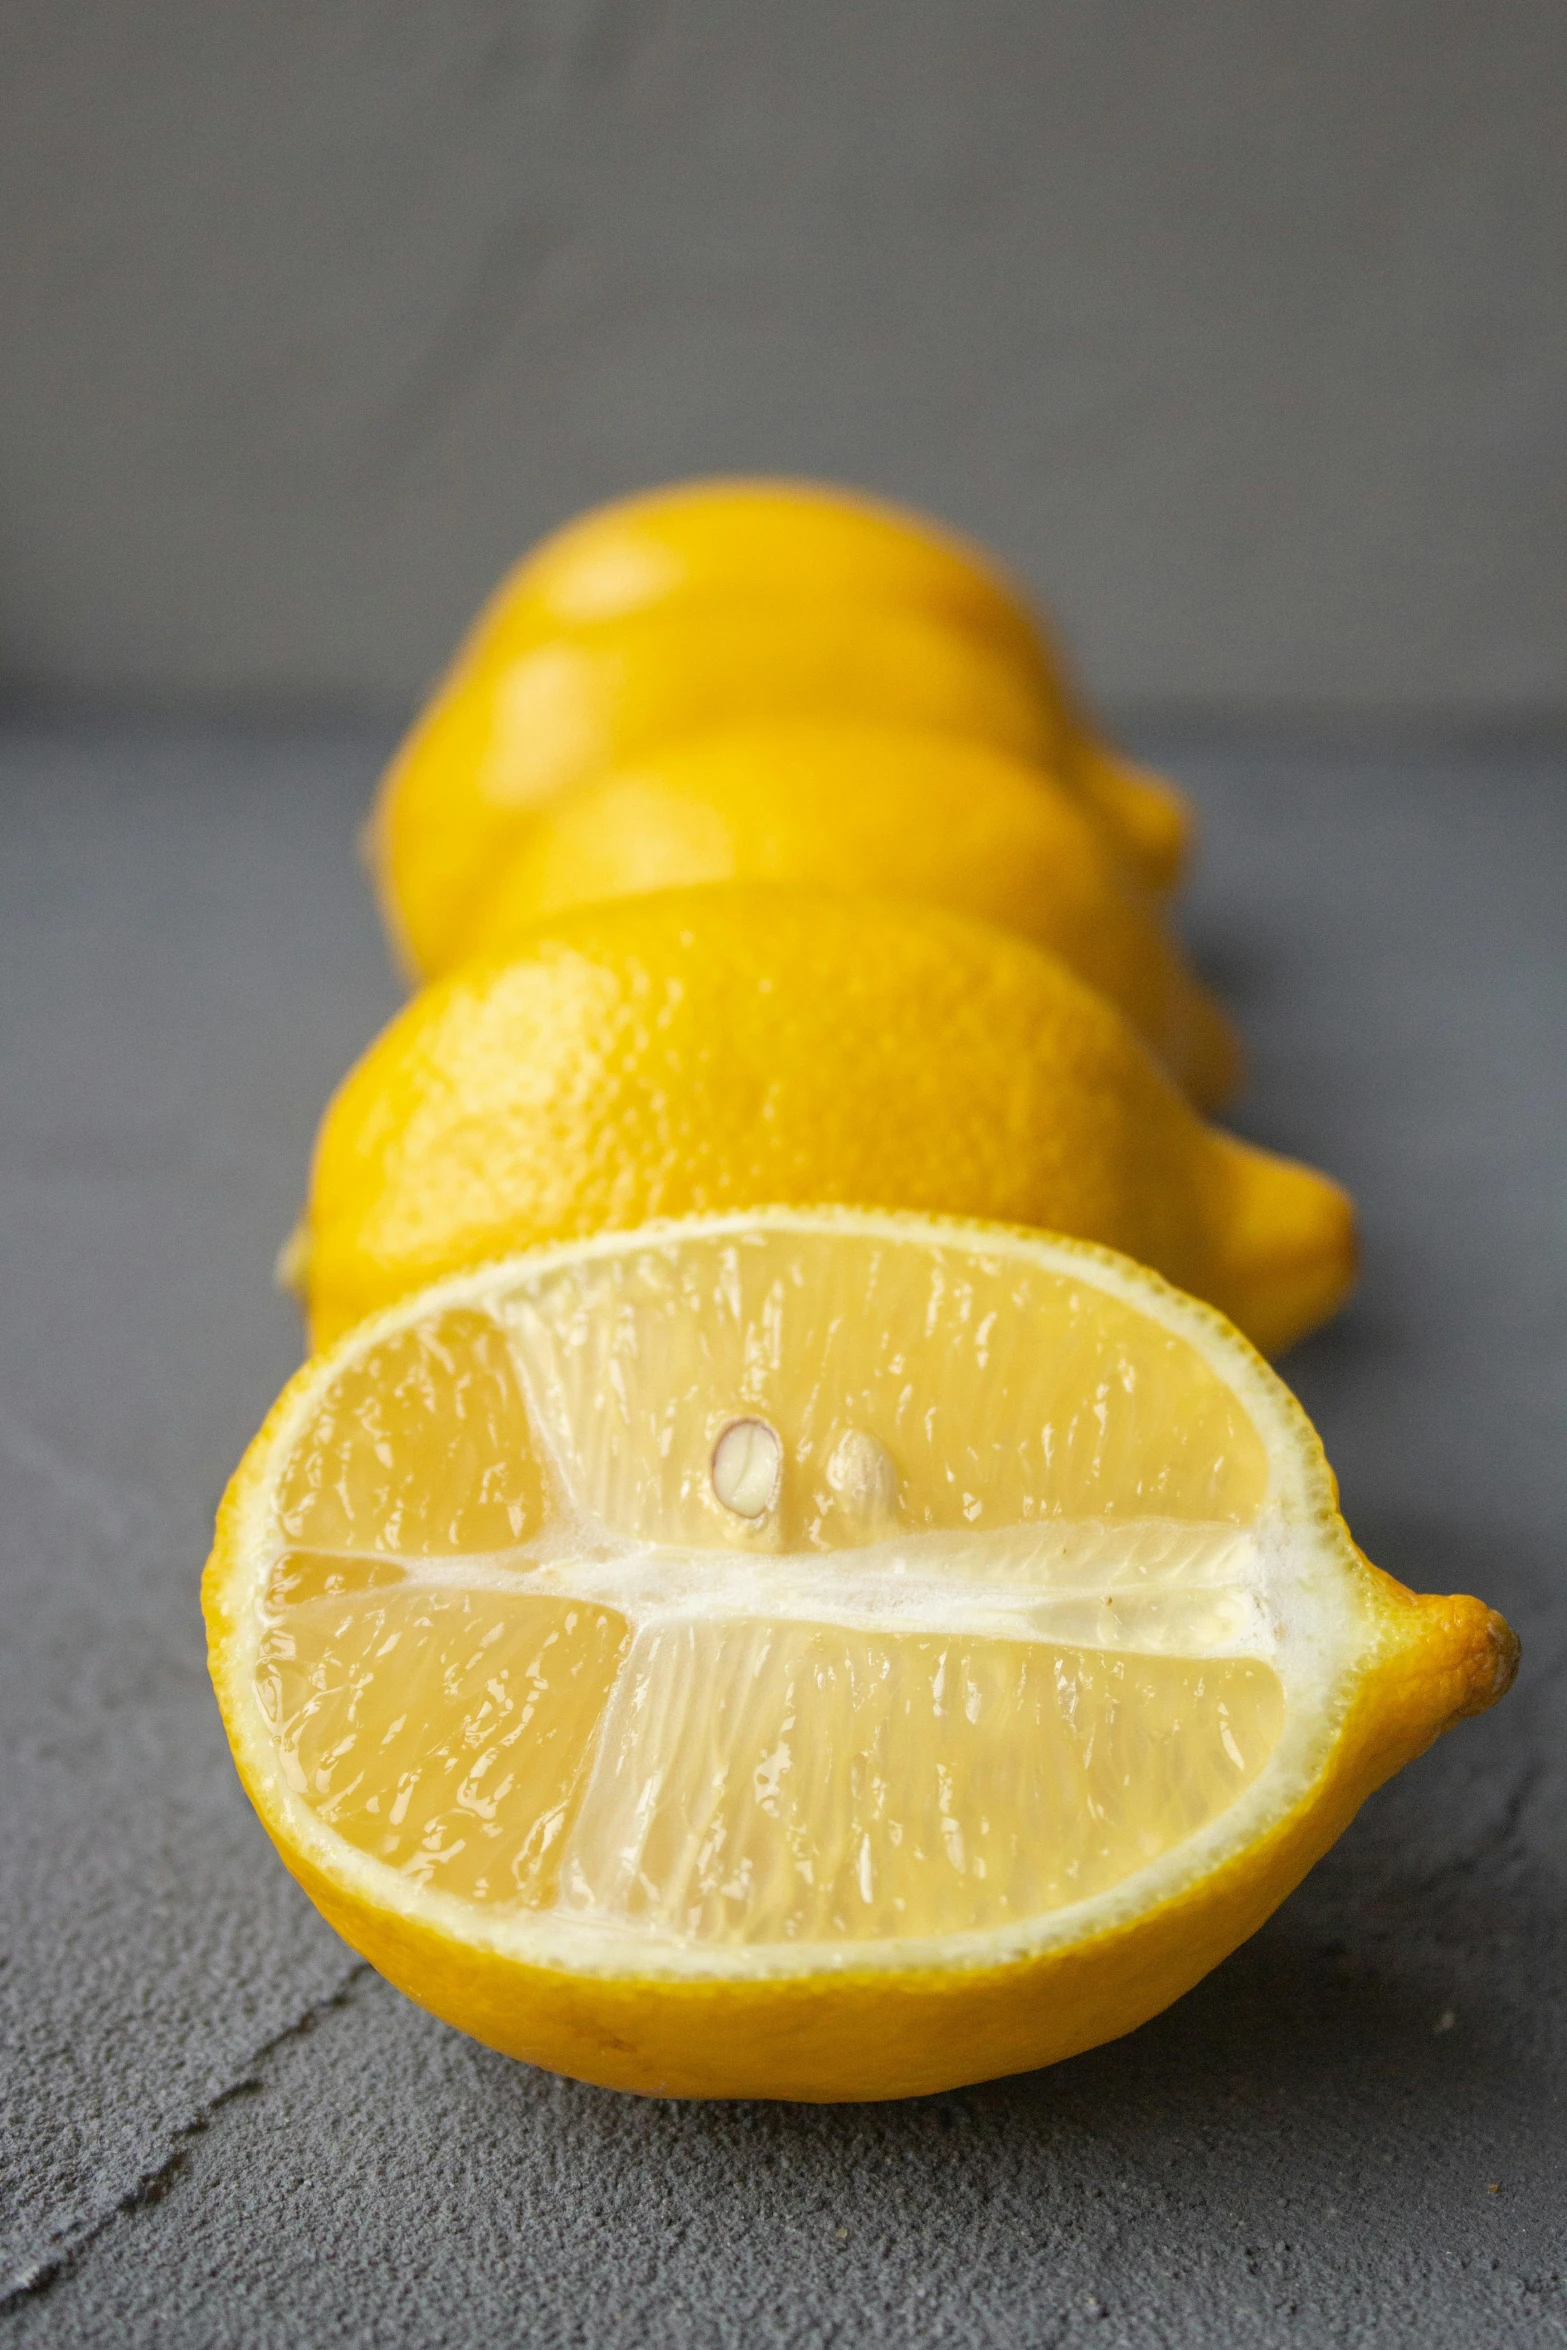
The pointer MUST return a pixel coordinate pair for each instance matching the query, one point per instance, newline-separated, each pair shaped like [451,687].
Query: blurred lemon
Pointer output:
[808,1654]
[892,810]
[727,541]
[722,542]
[730,1047]
[503,738]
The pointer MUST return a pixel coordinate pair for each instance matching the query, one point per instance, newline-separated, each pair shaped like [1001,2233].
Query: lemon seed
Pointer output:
[864,1476]
[747,1464]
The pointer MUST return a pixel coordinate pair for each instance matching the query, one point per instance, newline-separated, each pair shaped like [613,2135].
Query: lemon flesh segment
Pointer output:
[399,1711]
[1044,1621]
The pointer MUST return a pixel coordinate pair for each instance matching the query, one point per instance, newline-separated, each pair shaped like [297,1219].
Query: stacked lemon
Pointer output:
[756,1597]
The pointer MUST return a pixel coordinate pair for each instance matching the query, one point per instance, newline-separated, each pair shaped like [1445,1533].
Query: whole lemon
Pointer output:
[737,1046]
[726,541]
[900,811]
[503,738]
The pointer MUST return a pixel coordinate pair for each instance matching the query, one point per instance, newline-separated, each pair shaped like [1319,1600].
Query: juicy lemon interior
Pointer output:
[784,1587]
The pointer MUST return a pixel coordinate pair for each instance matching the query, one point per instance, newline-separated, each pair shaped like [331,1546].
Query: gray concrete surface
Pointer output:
[217,2129]
[1239,325]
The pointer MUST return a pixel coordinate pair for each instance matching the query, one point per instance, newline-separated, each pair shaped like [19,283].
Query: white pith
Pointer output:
[1285,1589]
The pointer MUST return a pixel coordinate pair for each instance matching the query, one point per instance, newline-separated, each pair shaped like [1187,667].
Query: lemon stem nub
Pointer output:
[747,1464]
[291,1265]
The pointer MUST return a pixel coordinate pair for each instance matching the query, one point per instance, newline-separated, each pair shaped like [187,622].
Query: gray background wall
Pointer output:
[1239,328]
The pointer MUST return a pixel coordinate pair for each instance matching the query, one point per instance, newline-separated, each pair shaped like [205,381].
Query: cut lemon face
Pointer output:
[810,1653]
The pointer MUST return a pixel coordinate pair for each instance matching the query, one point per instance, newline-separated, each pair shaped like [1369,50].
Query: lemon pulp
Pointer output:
[994,1637]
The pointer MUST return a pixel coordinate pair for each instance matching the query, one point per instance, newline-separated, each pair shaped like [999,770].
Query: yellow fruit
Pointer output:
[500,742]
[719,604]
[737,1046]
[716,542]
[808,1655]
[723,542]
[885,809]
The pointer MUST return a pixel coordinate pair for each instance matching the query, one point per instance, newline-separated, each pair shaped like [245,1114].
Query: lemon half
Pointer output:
[808,1653]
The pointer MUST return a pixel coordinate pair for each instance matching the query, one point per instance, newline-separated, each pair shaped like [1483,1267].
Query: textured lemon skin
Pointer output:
[741,1046]
[898,811]
[718,541]
[852,2034]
